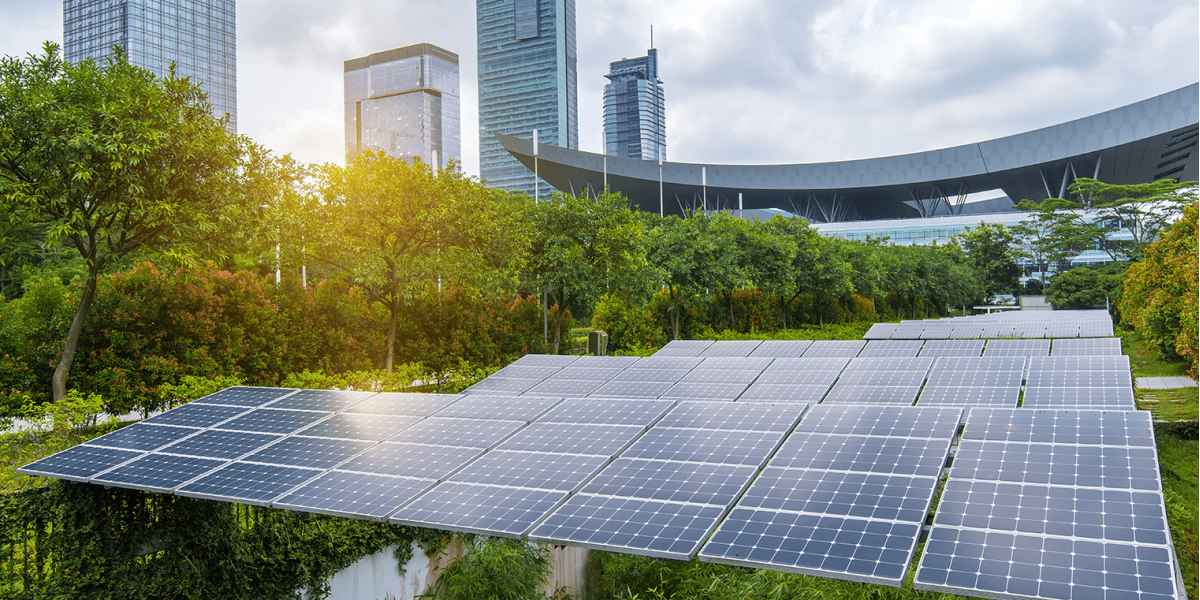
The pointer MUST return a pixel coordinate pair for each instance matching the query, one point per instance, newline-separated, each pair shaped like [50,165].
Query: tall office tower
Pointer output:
[634,109]
[198,36]
[405,102]
[527,81]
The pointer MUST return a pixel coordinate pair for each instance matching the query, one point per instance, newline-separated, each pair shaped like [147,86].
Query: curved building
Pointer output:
[1144,141]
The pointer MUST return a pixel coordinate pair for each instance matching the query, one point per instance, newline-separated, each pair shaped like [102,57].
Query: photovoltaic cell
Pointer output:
[936,348]
[873,454]
[1078,379]
[322,400]
[881,331]
[888,364]
[630,525]
[1110,428]
[573,438]
[563,388]
[1082,398]
[360,426]
[816,364]
[702,375]
[632,389]
[981,363]
[142,436]
[578,373]
[958,379]
[1079,363]
[78,463]
[889,421]
[798,377]
[655,375]
[249,397]
[226,445]
[908,330]
[892,348]
[340,493]
[158,472]
[704,391]
[998,397]
[411,460]
[683,348]
[705,445]
[271,420]
[720,415]
[731,348]
[769,392]
[502,386]
[875,378]
[1017,348]
[1086,347]
[514,408]
[196,415]
[606,411]
[834,349]
[541,470]
[838,493]
[606,362]
[395,403]
[447,431]
[247,482]
[781,348]
[872,394]
[483,509]
[686,363]
[525,372]
[315,453]
[668,480]
[733,363]
[1118,468]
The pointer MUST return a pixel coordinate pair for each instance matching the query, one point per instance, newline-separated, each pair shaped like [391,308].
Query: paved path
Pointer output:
[1165,383]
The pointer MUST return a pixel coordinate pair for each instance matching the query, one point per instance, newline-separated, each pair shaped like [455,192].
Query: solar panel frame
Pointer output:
[834,349]
[372,496]
[245,396]
[781,349]
[473,508]
[880,331]
[399,403]
[1019,347]
[876,348]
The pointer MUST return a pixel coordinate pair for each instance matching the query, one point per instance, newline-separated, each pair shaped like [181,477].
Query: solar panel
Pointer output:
[540,470]
[573,438]
[1131,468]
[142,436]
[890,421]
[1111,428]
[683,348]
[157,472]
[272,420]
[1079,379]
[798,377]
[871,454]
[411,460]
[632,389]
[249,397]
[481,509]
[872,394]
[315,453]
[544,360]
[889,364]
[322,400]
[720,415]
[730,348]
[1113,398]
[674,481]
[781,349]
[359,426]
[394,403]
[992,379]
[769,392]
[79,463]
[981,363]
[606,362]
[892,348]
[345,494]
[686,363]
[733,363]
[705,445]
[908,330]
[613,412]
[877,378]
[1017,348]
[448,431]
[196,415]
[227,445]
[999,397]
[880,331]
[502,386]
[657,375]
[514,408]
[1079,363]
[817,364]
[630,525]
[864,495]
[834,349]
[515,371]
[936,348]
[704,391]
[247,482]
[563,388]
[579,373]
[703,375]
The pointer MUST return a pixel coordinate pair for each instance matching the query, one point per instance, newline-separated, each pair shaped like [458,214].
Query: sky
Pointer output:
[747,81]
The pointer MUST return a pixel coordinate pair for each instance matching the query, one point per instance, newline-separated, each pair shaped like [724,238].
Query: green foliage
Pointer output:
[47,428]
[1177,458]
[1141,210]
[631,327]
[1088,287]
[495,569]
[989,247]
[1158,296]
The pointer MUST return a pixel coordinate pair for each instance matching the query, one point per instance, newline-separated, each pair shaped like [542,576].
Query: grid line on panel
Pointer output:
[632,389]
[767,392]
[502,386]
[673,481]
[342,493]
[1109,428]
[563,388]
[1113,398]
[360,426]
[731,348]
[272,420]
[705,445]
[888,421]
[197,415]
[865,495]
[399,403]
[630,525]
[872,394]
[245,396]
[411,460]
[580,373]
[311,452]
[513,408]
[218,443]
[475,508]
[537,470]
[965,348]
[720,415]
[545,360]
[650,375]
[704,391]
[79,463]
[683,348]
[867,454]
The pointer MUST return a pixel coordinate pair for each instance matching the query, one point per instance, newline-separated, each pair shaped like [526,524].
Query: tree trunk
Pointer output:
[558,319]
[394,309]
[675,323]
[58,383]
[732,323]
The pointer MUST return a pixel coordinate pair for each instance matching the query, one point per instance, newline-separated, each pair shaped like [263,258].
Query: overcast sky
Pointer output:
[747,81]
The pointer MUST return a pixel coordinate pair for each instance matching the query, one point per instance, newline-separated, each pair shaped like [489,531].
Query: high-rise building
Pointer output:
[405,102]
[527,81]
[198,36]
[634,109]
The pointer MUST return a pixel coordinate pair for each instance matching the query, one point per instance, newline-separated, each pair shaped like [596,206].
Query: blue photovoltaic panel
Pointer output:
[270,420]
[502,386]
[581,373]
[1017,348]
[968,331]
[606,362]
[705,445]
[322,400]
[781,348]
[1079,363]
[839,493]
[78,463]
[874,454]
[630,525]
[482,509]
[613,412]
[683,348]
[395,403]
[411,460]
[798,377]
[892,348]
[447,431]
[226,445]
[703,375]
[817,364]
[704,391]
[731,348]
[888,364]
[142,436]
[981,363]
[668,480]
[872,394]
[563,388]
[880,331]
[573,438]
[908,330]
[1109,428]
[937,348]
[767,392]
[956,379]
[656,375]
[249,397]
[998,397]
[247,482]
[340,493]
[545,360]
[1121,468]
[1086,347]
[720,415]
[632,389]
[542,470]
[360,426]
[686,363]
[1114,398]
[315,453]
[890,421]
[891,378]
[526,372]
[158,472]
[733,363]
[1078,379]
[513,408]
[196,415]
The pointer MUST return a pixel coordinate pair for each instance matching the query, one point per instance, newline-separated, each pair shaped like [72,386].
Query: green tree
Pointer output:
[1140,210]
[1087,287]
[1052,236]
[583,247]
[818,265]
[989,247]
[671,249]
[112,161]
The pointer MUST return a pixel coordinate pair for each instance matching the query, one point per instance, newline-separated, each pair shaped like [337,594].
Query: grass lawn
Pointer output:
[1177,459]
[1171,405]
[1147,360]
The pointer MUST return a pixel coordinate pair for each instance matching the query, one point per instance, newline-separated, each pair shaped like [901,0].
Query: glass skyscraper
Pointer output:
[405,102]
[527,81]
[199,36]
[634,109]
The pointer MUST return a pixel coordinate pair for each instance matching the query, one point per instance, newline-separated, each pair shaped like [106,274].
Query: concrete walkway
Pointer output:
[1165,383]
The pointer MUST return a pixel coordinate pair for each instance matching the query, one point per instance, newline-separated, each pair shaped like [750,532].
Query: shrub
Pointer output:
[630,327]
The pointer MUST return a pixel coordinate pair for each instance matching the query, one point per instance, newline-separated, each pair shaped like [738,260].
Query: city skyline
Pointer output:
[834,81]
[634,109]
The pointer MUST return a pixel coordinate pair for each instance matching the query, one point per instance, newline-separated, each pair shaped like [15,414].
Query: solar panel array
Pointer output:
[706,448]
[1016,324]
